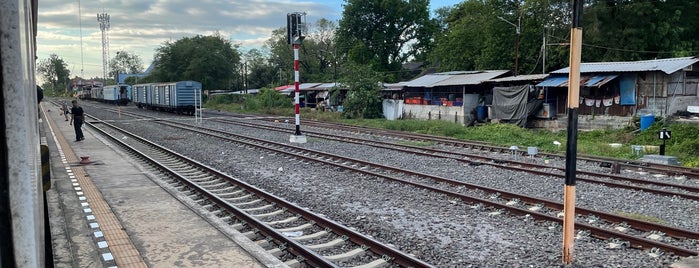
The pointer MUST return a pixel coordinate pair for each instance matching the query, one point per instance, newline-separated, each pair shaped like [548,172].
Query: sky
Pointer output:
[70,28]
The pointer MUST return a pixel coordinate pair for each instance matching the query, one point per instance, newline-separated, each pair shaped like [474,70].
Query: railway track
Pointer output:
[613,163]
[297,236]
[599,224]
[611,180]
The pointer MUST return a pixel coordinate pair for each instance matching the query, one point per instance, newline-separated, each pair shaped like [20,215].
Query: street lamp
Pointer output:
[517,31]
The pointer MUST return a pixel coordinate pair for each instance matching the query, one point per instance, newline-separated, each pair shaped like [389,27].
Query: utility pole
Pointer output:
[517,32]
[572,143]
[543,52]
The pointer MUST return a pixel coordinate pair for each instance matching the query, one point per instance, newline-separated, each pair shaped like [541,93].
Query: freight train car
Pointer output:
[119,94]
[178,97]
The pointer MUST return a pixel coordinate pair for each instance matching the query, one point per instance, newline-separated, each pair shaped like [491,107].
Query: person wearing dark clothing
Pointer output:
[77,115]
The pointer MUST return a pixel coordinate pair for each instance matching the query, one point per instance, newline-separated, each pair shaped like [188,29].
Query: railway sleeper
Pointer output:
[261,208]
[276,252]
[327,245]
[270,214]
[234,199]
[374,264]
[287,220]
[315,235]
[248,203]
[347,255]
[252,235]
[227,195]
[297,228]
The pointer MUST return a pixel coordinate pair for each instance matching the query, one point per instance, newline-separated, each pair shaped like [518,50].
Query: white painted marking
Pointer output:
[107,256]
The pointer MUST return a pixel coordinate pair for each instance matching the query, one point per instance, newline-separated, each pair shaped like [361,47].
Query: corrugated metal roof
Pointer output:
[470,79]
[307,85]
[587,81]
[555,81]
[454,78]
[427,80]
[529,77]
[667,66]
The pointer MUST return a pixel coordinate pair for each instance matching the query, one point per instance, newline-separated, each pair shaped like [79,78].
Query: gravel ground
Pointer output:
[441,231]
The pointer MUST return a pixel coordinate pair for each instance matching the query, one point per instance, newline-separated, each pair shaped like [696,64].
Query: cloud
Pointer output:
[142,26]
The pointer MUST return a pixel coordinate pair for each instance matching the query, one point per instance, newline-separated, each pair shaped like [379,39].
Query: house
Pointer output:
[612,93]
[448,95]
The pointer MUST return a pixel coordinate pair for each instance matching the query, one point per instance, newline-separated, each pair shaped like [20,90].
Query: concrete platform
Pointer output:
[111,212]
[660,159]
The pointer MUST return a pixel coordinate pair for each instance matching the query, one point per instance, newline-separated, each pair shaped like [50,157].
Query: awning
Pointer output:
[586,81]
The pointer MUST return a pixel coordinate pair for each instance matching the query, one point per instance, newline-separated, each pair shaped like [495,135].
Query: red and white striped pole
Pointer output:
[297,97]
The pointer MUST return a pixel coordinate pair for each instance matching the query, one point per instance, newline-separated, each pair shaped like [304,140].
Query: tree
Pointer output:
[616,30]
[385,33]
[125,62]
[363,99]
[319,60]
[55,73]
[260,73]
[211,60]
[477,39]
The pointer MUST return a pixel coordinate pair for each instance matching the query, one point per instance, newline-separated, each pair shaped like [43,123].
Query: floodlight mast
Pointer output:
[103,19]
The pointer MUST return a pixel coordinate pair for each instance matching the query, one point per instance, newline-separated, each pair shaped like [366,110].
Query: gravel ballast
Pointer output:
[437,229]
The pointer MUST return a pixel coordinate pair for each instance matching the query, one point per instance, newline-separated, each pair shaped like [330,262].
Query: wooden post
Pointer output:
[572,142]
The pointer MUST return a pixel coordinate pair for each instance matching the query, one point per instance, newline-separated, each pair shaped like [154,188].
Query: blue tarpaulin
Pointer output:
[627,89]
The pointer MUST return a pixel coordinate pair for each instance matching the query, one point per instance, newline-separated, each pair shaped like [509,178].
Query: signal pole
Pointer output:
[295,23]
[572,143]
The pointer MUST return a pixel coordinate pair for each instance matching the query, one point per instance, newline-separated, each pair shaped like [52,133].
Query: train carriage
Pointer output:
[177,97]
[120,94]
[142,94]
[96,93]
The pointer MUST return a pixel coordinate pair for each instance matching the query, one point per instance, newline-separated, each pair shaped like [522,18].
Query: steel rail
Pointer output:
[660,168]
[296,248]
[308,154]
[495,162]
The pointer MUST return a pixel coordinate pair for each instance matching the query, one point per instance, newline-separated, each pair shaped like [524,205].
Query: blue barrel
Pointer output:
[646,121]
[481,112]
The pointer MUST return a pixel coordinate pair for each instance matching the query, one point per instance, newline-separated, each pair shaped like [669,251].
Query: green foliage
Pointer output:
[54,71]
[476,38]
[640,217]
[125,62]
[268,101]
[211,60]
[362,99]
[640,30]
[385,33]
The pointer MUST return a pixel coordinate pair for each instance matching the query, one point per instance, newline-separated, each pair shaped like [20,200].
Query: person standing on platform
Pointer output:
[77,116]
[64,108]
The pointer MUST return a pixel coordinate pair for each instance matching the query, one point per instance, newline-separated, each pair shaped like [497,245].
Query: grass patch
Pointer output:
[417,143]
[640,217]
